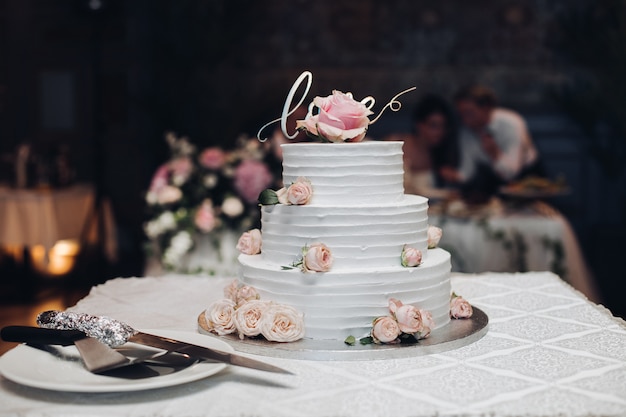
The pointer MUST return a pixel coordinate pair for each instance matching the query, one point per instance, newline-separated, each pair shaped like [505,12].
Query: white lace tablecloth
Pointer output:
[548,352]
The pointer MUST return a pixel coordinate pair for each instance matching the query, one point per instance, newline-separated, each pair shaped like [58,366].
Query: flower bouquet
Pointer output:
[198,204]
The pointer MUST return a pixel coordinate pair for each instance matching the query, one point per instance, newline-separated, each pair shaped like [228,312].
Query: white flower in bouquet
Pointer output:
[210,181]
[181,242]
[166,221]
[232,207]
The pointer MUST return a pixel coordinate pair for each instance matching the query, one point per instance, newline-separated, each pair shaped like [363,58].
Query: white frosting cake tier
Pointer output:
[359,237]
[347,173]
[338,304]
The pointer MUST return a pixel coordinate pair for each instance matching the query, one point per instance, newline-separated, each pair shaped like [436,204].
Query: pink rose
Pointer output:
[249,317]
[282,324]
[282,196]
[385,330]
[230,291]
[212,158]
[460,308]
[220,317]
[205,217]
[300,192]
[160,177]
[168,194]
[245,294]
[252,177]
[408,318]
[250,242]
[340,118]
[317,258]
[411,257]
[428,325]
[181,169]
[434,235]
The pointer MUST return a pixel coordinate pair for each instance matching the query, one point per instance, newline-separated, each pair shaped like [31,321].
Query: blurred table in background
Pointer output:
[513,236]
[49,222]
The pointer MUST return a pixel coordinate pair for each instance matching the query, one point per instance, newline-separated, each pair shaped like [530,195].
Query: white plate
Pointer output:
[40,369]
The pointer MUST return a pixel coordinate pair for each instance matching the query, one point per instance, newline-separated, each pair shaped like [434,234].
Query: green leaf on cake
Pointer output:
[350,340]
[366,340]
[268,197]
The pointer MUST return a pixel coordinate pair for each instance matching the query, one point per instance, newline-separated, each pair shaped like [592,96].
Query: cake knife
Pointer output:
[115,333]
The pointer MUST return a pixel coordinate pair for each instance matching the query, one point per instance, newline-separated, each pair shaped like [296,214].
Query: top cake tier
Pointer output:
[347,174]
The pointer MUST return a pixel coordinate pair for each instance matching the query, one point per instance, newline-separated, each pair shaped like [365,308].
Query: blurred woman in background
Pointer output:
[431,146]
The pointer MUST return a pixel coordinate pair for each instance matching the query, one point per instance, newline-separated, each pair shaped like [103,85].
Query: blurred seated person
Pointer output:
[428,148]
[494,144]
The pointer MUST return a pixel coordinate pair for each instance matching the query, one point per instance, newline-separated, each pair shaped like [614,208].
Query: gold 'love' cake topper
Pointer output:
[335,118]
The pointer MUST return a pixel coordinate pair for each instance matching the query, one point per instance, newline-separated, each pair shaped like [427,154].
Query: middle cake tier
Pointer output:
[358,236]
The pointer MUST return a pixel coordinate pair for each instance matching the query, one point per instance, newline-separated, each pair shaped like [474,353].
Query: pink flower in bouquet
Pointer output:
[205,217]
[460,308]
[250,242]
[252,177]
[434,235]
[428,324]
[385,330]
[212,158]
[408,317]
[283,324]
[245,294]
[181,169]
[300,192]
[340,119]
[411,257]
[317,258]
[168,194]
[160,177]
[220,317]
[249,317]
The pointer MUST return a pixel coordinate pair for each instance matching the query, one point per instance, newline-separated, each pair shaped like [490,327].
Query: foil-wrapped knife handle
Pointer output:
[40,336]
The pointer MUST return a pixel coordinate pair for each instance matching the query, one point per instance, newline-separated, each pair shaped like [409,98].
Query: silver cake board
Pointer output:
[454,335]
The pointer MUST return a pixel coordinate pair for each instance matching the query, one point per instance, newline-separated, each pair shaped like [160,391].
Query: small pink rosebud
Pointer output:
[434,236]
[460,308]
[411,257]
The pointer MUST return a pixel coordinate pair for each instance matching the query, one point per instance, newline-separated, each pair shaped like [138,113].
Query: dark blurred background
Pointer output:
[106,79]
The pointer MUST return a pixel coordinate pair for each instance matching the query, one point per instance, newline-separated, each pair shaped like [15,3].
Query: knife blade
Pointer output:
[118,333]
[203,352]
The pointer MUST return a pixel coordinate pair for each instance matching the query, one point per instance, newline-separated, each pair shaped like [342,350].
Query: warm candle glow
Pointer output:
[60,258]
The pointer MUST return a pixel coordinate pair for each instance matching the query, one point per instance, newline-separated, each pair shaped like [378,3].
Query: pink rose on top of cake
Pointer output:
[252,177]
[460,308]
[340,118]
[434,234]
[411,257]
[220,317]
[317,258]
[282,324]
[250,242]
[408,317]
[385,330]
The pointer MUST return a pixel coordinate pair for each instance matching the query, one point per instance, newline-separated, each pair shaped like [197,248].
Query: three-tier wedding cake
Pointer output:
[358,210]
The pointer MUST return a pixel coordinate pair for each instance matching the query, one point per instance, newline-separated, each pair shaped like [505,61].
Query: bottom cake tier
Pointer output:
[343,303]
